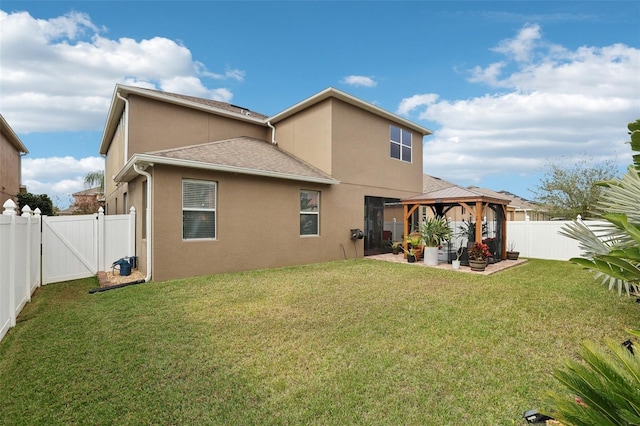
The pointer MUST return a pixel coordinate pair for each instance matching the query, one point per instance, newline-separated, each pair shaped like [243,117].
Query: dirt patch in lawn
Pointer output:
[111,278]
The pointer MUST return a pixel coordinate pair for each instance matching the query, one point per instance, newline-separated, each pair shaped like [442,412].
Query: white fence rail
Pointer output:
[67,248]
[542,239]
[19,262]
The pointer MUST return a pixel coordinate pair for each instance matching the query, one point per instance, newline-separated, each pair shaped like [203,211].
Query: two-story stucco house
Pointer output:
[11,151]
[221,188]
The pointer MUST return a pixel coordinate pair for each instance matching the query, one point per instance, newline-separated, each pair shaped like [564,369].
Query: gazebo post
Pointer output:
[479,221]
[406,229]
[504,232]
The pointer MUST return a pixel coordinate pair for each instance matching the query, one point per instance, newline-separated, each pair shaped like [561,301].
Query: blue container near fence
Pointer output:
[124,266]
[133,260]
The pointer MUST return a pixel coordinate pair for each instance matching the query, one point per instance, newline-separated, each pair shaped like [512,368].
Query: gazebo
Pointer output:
[479,206]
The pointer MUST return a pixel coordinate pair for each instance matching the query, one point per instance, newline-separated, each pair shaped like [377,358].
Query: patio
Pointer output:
[492,268]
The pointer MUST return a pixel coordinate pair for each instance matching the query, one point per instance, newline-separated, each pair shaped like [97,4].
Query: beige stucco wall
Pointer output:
[257,224]
[9,170]
[156,126]
[307,135]
[352,145]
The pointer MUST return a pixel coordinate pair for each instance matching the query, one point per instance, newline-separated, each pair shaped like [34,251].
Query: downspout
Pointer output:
[126,126]
[147,213]
[273,133]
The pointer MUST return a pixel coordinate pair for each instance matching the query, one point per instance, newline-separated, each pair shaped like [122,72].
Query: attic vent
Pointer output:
[243,110]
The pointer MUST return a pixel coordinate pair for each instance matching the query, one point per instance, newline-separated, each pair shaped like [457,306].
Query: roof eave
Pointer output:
[12,136]
[127,172]
[335,93]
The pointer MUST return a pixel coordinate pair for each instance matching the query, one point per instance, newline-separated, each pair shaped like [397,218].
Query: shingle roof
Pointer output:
[432,183]
[216,104]
[242,155]
[91,191]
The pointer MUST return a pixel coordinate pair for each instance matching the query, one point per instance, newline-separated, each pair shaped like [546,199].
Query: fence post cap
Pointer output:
[100,210]
[26,211]
[37,211]
[9,207]
[132,209]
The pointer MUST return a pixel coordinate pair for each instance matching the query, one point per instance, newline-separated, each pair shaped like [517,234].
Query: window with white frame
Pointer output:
[309,212]
[198,209]
[400,140]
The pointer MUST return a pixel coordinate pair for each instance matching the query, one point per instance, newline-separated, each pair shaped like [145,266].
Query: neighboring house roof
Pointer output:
[432,183]
[234,111]
[238,155]
[91,191]
[11,136]
[522,203]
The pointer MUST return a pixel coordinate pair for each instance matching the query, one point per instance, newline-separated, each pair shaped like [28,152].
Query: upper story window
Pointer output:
[198,209]
[309,212]
[400,144]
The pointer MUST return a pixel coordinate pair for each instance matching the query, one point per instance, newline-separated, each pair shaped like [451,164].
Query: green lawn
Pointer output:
[350,342]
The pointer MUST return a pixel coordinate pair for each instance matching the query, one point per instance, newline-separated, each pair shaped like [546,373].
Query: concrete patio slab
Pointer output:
[490,269]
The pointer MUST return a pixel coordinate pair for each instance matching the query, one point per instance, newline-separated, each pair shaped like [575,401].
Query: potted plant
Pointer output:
[415,242]
[455,264]
[512,254]
[434,231]
[396,247]
[411,255]
[478,254]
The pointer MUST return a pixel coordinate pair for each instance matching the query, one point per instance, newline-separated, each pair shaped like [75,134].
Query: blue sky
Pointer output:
[505,86]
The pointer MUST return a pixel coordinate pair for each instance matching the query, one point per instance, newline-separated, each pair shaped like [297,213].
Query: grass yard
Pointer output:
[350,342]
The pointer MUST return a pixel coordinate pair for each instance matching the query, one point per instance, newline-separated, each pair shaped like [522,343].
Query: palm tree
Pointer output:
[95,178]
[612,249]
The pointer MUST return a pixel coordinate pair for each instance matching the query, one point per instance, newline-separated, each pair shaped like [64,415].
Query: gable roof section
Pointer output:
[243,155]
[11,136]
[236,112]
[335,93]
[208,105]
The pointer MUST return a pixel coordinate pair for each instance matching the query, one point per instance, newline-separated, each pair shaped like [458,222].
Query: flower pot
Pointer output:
[411,258]
[455,264]
[513,255]
[431,256]
[477,265]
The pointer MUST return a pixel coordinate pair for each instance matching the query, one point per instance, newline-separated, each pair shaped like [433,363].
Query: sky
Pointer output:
[507,87]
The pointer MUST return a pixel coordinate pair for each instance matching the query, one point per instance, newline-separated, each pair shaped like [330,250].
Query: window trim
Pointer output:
[308,213]
[213,209]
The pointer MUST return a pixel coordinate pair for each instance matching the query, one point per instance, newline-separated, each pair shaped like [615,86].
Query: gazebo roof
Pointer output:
[455,195]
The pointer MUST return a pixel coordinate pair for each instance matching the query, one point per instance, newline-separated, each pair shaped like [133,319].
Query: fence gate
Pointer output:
[69,248]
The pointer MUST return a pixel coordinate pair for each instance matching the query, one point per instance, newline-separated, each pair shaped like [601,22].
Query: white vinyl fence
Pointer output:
[542,240]
[67,247]
[19,262]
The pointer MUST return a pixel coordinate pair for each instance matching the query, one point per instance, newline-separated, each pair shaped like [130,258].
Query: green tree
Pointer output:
[34,201]
[95,178]
[568,191]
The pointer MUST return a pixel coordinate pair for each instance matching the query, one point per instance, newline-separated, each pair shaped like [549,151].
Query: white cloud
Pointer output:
[521,47]
[553,102]
[409,104]
[58,177]
[359,80]
[66,66]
